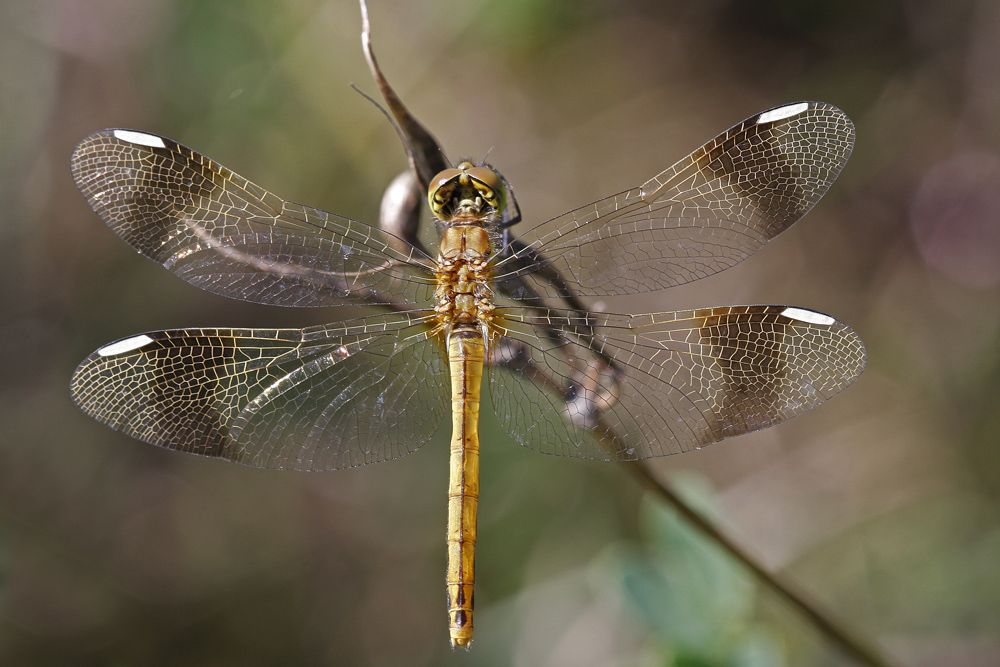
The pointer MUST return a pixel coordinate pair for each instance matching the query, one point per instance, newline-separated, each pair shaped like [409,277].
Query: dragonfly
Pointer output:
[487,308]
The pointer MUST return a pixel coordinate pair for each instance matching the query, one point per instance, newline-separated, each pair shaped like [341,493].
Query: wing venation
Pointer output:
[706,213]
[320,398]
[218,231]
[623,387]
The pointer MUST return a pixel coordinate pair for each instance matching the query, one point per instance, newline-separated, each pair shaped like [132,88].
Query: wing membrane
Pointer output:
[706,213]
[220,232]
[621,387]
[320,398]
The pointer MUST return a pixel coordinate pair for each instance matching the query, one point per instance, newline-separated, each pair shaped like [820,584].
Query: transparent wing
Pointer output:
[220,232]
[708,212]
[321,398]
[621,387]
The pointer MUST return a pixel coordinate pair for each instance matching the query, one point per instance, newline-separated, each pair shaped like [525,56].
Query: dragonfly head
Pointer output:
[467,185]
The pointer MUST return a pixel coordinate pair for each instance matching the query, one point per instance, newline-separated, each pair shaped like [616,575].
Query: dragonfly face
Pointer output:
[562,379]
[466,182]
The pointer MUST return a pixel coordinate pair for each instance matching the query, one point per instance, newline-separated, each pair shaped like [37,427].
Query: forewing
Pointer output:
[620,387]
[708,212]
[322,398]
[220,232]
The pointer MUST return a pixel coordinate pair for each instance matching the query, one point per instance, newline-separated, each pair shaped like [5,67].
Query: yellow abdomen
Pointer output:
[466,353]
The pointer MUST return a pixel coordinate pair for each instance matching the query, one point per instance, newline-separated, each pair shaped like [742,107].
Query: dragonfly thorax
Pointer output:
[463,294]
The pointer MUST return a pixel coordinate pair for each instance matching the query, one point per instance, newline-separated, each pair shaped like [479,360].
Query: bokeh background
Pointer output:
[882,504]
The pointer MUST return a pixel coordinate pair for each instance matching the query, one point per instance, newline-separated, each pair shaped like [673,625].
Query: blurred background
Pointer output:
[882,504]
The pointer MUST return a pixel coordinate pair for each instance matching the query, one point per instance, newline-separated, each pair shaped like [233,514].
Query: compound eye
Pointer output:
[441,187]
[443,178]
[486,176]
[489,185]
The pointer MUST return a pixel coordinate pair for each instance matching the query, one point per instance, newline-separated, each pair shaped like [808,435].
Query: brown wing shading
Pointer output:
[220,232]
[621,387]
[321,398]
[706,213]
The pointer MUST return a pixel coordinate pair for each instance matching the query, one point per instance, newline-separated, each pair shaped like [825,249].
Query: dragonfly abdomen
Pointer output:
[466,353]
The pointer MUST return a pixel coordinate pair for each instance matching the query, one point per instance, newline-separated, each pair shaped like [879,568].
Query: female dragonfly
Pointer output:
[562,379]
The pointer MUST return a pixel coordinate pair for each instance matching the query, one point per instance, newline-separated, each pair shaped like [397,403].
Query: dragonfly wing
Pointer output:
[322,398]
[220,232]
[621,387]
[706,213]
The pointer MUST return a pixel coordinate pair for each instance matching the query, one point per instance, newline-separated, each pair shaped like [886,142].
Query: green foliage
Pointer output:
[697,601]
